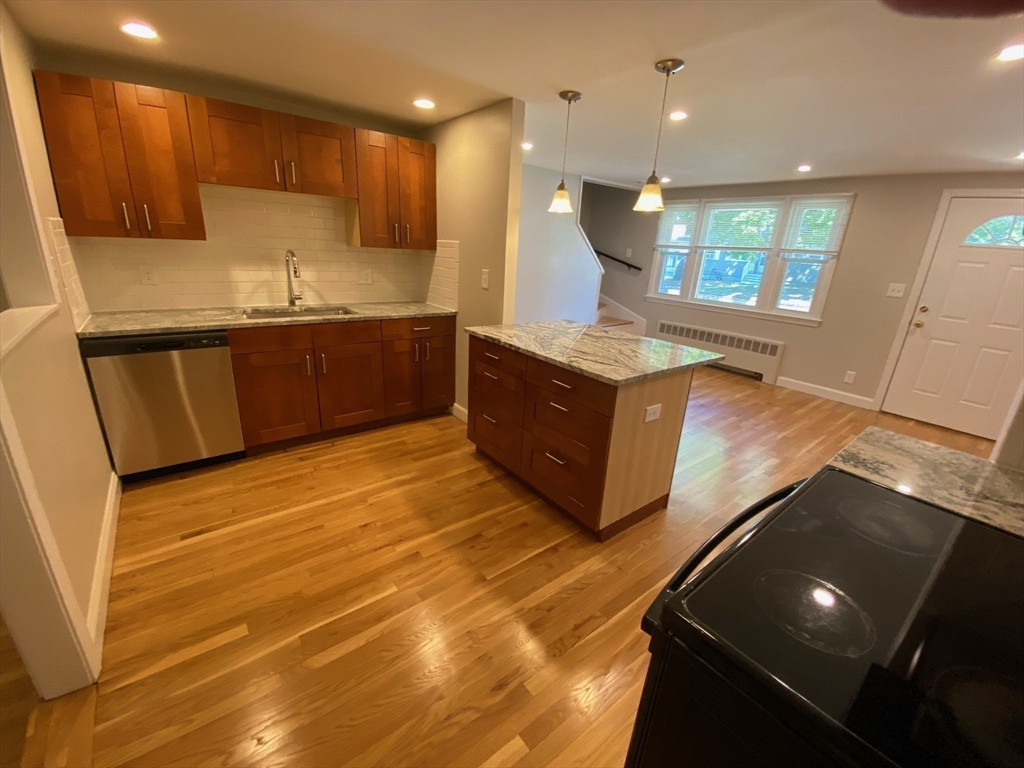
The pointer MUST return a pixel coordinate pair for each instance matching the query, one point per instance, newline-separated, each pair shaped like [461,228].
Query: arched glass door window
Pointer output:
[1002,231]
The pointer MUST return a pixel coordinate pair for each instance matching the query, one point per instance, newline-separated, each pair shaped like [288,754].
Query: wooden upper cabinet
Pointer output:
[83,139]
[236,145]
[319,157]
[158,147]
[417,194]
[377,169]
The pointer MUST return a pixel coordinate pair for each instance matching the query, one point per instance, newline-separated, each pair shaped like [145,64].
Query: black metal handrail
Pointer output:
[626,264]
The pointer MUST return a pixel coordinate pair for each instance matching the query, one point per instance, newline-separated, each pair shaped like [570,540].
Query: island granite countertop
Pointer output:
[134,323]
[956,481]
[614,357]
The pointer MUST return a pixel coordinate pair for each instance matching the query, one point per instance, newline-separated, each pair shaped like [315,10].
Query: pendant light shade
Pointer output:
[650,196]
[560,203]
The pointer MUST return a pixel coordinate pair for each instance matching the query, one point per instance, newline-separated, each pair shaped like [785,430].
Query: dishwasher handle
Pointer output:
[151,343]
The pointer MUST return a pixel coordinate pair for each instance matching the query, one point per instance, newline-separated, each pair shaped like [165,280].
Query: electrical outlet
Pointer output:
[485,278]
[849,377]
[148,275]
[896,290]
[653,412]
[365,277]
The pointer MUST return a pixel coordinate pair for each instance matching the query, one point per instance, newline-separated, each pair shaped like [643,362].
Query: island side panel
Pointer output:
[642,455]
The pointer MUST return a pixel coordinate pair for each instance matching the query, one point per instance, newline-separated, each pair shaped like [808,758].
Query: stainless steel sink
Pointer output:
[309,309]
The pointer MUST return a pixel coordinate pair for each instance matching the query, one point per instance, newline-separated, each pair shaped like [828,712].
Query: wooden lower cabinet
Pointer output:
[403,391]
[350,381]
[437,372]
[277,395]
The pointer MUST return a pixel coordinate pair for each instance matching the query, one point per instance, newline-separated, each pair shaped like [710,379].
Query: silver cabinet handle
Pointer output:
[574,500]
[149,225]
[554,458]
[422,328]
[309,368]
[293,172]
[427,345]
[562,384]
[417,358]
[408,237]
[277,173]
[559,407]
[323,360]
[127,224]
[490,375]
[493,357]
[493,421]
[396,234]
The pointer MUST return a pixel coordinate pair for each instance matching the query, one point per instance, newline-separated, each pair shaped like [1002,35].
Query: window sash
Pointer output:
[780,252]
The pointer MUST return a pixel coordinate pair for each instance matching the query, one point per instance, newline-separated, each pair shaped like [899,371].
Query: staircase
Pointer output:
[605,320]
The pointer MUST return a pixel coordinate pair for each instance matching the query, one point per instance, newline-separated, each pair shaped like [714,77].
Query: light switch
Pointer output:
[365,277]
[896,290]
[485,278]
[148,275]
[652,412]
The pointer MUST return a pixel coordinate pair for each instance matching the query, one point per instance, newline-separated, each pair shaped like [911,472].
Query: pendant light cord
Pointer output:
[565,143]
[661,123]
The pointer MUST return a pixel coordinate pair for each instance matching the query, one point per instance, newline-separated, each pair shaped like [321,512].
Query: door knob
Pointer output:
[919,323]
[923,309]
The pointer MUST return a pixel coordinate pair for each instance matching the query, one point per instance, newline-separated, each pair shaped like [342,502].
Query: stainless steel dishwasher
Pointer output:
[164,399]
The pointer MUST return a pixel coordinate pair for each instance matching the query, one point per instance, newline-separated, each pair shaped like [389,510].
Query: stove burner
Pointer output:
[887,524]
[815,612]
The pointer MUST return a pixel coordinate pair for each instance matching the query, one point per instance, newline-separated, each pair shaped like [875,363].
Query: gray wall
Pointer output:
[885,239]
[557,277]
[479,170]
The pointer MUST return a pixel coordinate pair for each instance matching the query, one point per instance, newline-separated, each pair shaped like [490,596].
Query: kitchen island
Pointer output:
[590,418]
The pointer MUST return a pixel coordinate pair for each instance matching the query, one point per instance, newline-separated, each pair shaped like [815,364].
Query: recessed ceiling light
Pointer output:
[677,115]
[1012,53]
[803,168]
[423,104]
[138,29]
[665,179]
[527,145]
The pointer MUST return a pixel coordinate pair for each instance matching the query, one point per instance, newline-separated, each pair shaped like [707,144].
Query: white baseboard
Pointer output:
[829,394]
[99,594]
[460,413]
[619,310]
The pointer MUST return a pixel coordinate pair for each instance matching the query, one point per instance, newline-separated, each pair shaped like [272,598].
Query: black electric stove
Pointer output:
[853,625]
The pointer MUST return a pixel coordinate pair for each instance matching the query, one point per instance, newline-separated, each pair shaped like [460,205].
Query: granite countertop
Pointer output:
[614,357]
[956,481]
[111,324]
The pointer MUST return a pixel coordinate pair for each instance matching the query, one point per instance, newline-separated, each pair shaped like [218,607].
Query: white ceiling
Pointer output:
[851,88]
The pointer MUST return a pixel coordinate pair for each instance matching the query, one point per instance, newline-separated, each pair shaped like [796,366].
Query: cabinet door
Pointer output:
[235,145]
[158,147]
[83,139]
[402,388]
[350,380]
[417,194]
[438,371]
[319,157]
[377,171]
[277,396]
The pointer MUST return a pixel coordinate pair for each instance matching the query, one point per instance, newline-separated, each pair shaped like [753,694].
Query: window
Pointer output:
[1003,231]
[771,256]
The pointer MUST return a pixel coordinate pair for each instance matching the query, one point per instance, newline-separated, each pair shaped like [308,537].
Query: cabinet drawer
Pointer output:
[501,440]
[418,327]
[270,339]
[581,389]
[340,334]
[497,356]
[495,391]
[568,483]
[575,430]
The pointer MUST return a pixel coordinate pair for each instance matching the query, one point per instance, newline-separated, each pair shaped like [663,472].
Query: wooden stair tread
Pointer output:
[607,321]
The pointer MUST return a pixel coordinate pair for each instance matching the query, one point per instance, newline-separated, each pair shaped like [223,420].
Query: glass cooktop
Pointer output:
[898,620]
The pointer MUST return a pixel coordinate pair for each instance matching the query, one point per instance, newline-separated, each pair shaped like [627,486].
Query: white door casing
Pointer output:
[962,360]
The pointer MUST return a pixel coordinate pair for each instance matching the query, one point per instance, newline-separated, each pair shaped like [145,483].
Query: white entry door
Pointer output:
[963,358]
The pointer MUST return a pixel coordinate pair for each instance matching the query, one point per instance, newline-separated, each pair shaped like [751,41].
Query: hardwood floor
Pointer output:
[392,598]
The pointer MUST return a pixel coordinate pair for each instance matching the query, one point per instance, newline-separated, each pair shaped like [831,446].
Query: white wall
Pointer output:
[479,167]
[557,275]
[885,239]
[64,496]
[241,262]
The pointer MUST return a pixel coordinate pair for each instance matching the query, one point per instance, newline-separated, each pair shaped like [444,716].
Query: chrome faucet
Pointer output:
[291,267]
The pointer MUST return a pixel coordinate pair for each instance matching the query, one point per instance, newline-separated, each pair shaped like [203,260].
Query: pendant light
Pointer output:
[560,202]
[650,195]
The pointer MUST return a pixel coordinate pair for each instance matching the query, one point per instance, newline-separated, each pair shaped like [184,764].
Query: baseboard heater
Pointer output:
[743,354]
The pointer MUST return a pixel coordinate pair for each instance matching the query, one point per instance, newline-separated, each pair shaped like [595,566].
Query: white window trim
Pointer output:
[772,277]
